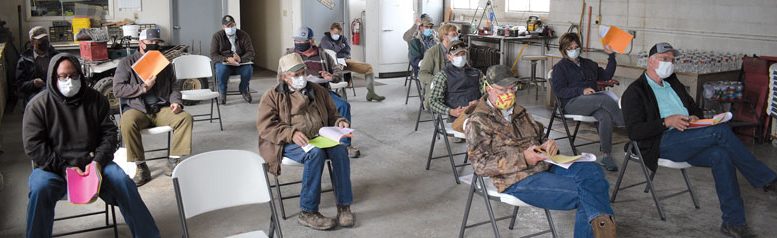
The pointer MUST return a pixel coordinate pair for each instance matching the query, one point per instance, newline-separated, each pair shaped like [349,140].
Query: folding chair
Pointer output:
[222,179]
[421,101]
[289,162]
[486,189]
[633,153]
[158,130]
[413,77]
[558,111]
[194,67]
[346,75]
[443,129]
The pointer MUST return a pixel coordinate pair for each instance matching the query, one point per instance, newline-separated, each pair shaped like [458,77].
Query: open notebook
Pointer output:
[328,137]
[83,189]
[565,161]
[717,119]
[150,64]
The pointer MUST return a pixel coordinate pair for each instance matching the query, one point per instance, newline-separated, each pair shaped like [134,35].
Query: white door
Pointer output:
[396,17]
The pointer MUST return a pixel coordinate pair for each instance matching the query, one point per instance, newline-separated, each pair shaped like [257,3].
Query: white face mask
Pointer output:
[69,87]
[665,69]
[298,82]
[573,54]
[335,37]
[230,30]
[459,61]
[453,38]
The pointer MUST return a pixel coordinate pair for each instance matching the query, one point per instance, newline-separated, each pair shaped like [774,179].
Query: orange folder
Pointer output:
[617,39]
[150,64]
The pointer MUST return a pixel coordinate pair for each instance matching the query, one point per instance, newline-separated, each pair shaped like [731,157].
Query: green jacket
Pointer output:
[434,60]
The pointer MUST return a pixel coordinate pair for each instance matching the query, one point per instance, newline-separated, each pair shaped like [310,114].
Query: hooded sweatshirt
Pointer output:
[60,132]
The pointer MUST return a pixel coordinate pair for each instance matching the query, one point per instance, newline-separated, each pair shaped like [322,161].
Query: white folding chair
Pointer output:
[195,67]
[443,129]
[222,179]
[558,111]
[291,163]
[346,75]
[477,184]
[633,153]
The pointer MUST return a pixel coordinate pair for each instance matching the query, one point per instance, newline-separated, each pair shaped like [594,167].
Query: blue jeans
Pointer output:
[717,147]
[223,72]
[582,187]
[47,188]
[310,194]
[344,109]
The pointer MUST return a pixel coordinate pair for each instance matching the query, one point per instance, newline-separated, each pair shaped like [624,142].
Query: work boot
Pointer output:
[223,98]
[315,220]
[372,96]
[455,139]
[608,163]
[247,96]
[741,231]
[171,163]
[353,152]
[771,189]
[142,175]
[371,89]
[603,226]
[344,216]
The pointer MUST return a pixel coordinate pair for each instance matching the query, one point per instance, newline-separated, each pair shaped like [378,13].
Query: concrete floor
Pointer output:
[394,195]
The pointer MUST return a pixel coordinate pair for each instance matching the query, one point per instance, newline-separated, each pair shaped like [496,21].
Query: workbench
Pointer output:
[505,43]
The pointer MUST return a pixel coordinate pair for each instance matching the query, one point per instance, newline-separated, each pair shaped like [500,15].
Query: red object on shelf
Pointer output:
[94,50]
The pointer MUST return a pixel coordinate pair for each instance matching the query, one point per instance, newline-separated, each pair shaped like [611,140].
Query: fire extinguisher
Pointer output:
[356,26]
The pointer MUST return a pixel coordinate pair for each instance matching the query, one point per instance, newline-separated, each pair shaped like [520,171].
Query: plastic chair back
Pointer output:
[192,67]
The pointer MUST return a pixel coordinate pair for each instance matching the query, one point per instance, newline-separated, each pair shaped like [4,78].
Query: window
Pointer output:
[528,5]
[465,4]
[68,8]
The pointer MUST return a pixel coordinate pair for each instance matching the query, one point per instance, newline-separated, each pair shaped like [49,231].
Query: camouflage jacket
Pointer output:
[495,146]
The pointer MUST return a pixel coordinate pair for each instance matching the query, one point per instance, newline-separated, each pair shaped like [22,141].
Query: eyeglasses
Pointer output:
[457,46]
[63,77]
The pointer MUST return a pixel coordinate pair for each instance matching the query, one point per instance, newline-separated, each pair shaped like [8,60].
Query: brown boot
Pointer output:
[316,221]
[171,163]
[142,175]
[353,152]
[603,226]
[344,216]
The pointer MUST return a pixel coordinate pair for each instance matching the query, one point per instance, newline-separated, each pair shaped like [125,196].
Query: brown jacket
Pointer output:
[495,146]
[274,120]
[129,87]
[221,48]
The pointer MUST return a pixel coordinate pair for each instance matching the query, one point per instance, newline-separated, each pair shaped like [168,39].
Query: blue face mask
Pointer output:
[428,32]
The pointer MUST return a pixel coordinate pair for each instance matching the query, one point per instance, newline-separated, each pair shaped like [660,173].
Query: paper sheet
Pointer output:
[717,119]
[585,157]
[616,38]
[150,64]
[83,189]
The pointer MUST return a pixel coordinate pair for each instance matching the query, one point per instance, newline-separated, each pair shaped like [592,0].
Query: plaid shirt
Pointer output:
[438,90]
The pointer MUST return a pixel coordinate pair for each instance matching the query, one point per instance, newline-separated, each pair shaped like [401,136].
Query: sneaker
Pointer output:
[142,175]
[603,226]
[372,96]
[316,221]
[771,189]
[608,163]
[171,163]
[353,152]
[741,231]
[344,216]
[247,96]
[455,139]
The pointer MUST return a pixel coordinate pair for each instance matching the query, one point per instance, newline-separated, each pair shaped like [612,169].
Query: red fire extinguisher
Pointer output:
[356,25]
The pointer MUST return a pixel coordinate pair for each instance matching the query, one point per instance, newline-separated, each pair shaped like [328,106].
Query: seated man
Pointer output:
[289,115]
[505,143]
[153,102]
[69,125]
[435,58]
[657,110]
[333,40]
[232,52]
[320,65]
[424,39]
[410,33]
[33,64]
[457,86]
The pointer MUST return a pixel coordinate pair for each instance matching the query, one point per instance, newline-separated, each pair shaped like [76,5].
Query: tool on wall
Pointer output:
[356,26]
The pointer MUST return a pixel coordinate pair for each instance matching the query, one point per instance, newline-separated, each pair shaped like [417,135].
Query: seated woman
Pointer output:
[574,82]
[505,144]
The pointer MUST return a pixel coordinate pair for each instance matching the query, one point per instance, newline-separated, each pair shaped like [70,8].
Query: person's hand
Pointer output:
[608,49]
[231,60]
[531,156]
[588,91]
[456,112]
[418,21]
[38,83]
[693,118]
[325,75]
[236,58]
[343,124]
[473,102]
[679,122]
[148,84]
[300,139]
[551,147]
[80,172]
[176,108]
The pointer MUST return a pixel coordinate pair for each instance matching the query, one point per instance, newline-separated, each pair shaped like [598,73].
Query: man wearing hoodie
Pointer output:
[333,40]
[31,68]
[69,125]
[153,102]
[233,53]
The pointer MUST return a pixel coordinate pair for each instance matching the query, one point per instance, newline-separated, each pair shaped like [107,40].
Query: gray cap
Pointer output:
[150,34]
[303,33]
[38,32]
[227,19]
[663,47]
[500,75]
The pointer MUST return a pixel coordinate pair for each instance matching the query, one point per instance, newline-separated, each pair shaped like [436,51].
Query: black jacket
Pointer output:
[60,132]
[643,119]
[29,68]
[569,79]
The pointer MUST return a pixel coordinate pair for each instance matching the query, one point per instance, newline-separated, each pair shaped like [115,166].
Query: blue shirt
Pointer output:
[668,101]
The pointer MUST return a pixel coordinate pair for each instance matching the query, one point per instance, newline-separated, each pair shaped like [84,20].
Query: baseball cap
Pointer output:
[38,32]
[150,34]
[227,19]
[303,33]
[456,47]
[291,63]
[500,75]
[427,22]
[663,47]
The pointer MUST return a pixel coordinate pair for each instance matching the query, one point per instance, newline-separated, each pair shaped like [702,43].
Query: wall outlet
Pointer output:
[633,33]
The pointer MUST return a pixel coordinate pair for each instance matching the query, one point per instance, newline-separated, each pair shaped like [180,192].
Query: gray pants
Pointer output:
[604,109]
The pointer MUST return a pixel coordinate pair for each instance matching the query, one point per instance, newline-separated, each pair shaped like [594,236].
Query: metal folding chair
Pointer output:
[289,162]
[442,129]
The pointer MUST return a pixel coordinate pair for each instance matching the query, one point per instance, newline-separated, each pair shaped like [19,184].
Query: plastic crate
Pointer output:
[94,50]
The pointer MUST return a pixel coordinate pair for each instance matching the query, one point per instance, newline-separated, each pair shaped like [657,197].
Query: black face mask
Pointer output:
[152,47]
[302,46]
